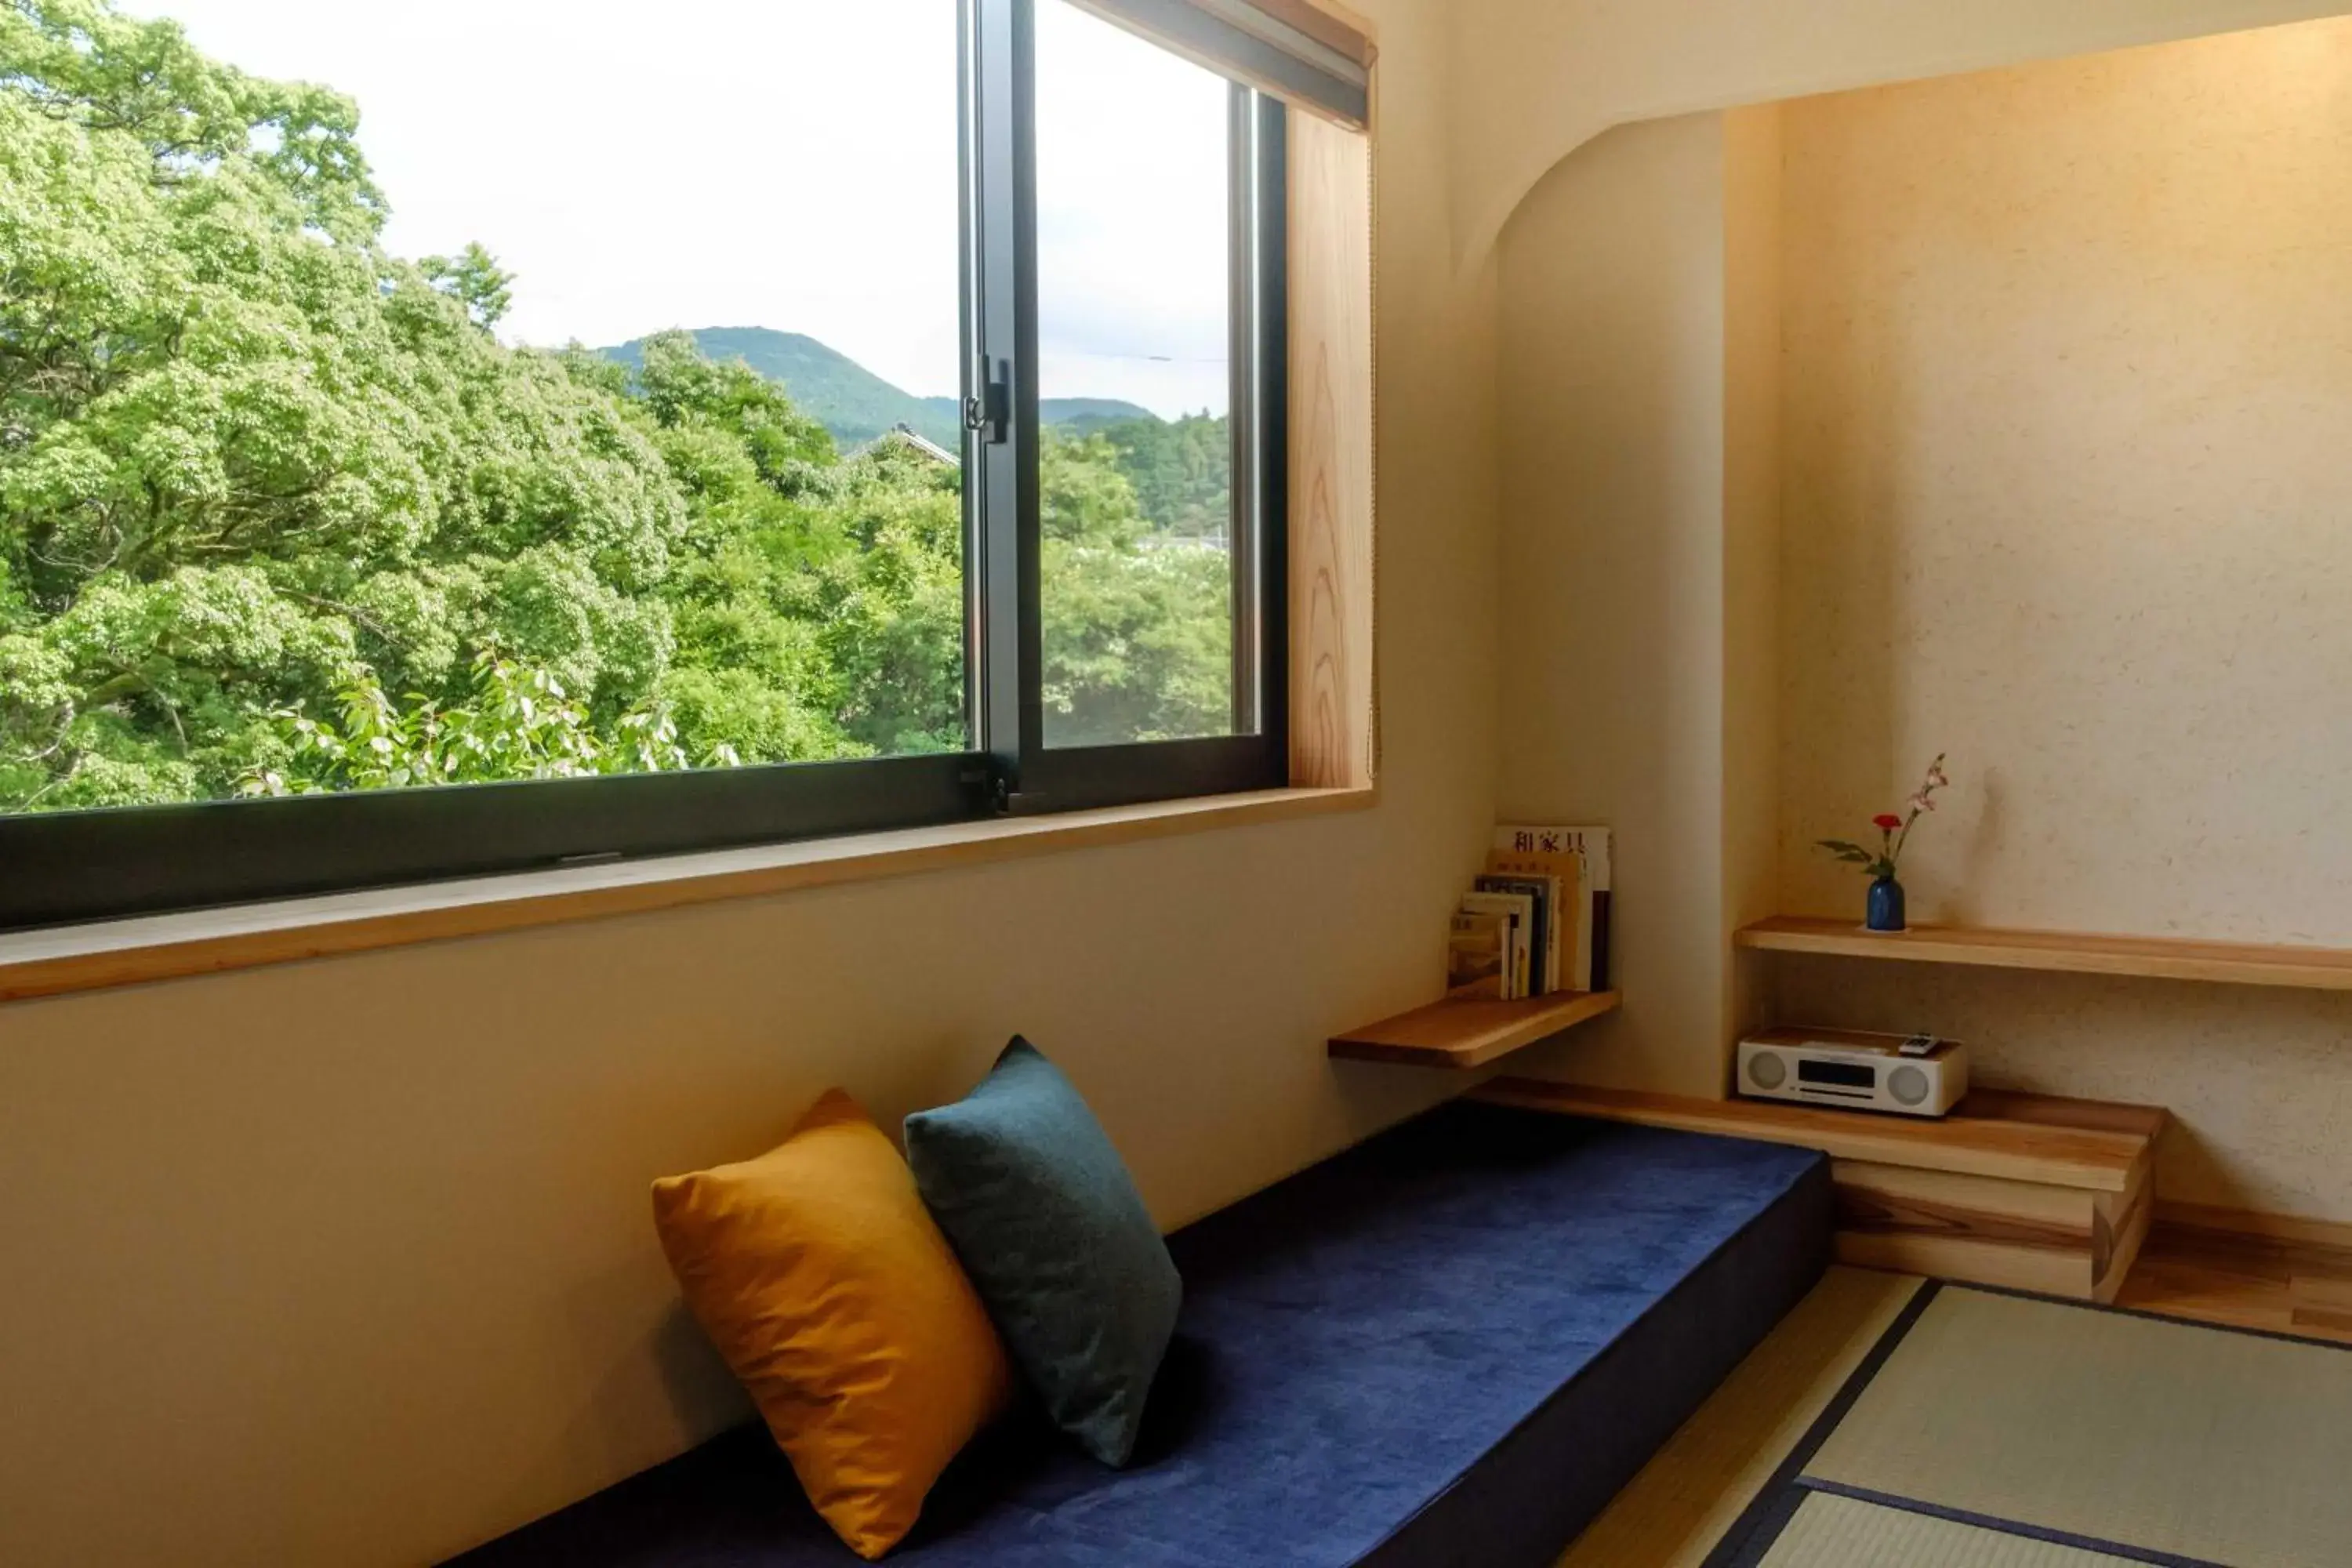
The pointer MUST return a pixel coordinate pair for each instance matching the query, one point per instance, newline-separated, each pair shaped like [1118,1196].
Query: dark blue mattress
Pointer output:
[1450,1345]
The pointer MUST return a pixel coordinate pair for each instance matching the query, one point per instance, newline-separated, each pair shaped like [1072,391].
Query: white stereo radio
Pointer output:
[1916,1076]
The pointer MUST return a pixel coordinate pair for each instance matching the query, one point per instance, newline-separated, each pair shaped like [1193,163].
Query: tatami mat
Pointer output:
[1674,1512]
[2174,1438]
[1831,1531]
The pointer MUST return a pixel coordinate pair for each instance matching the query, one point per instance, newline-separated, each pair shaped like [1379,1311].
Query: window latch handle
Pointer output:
[1001,787]
[990,412]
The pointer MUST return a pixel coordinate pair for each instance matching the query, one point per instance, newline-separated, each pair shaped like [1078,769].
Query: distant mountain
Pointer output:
[845,397]
[851,401]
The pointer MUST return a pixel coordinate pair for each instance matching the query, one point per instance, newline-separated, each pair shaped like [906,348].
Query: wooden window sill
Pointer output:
[108,953]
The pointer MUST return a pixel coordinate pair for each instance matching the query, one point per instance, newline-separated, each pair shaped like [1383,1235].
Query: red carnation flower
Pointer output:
[1887,820]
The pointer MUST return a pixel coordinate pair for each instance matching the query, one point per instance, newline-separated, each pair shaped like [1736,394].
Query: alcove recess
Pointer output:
[1992,415]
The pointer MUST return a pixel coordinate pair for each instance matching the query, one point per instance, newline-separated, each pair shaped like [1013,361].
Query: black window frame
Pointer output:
[69,866]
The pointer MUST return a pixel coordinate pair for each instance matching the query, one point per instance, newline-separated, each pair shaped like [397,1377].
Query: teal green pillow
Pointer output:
[1047,1223]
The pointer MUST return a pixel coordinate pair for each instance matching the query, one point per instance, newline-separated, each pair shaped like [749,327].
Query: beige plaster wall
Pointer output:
[2068,384]
[2069,374]
[1536,78]
[1640,376]
[1614,375]
[351,1263]
[1752,202]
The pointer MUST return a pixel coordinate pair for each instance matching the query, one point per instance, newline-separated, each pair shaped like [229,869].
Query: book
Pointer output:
[1549,975]
[1580,853]
[1571,921]
[1477,953]
[1519,909]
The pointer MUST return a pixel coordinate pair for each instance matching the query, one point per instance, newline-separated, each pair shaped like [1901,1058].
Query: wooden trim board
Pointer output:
[1333,26]
[2275,1273]
[1352,44]
[1967,1262]
[1463,1035]
[2121,1225]
[1331,477]
[2290,1228]
[1896,1200]
[2069,953]
[168,947]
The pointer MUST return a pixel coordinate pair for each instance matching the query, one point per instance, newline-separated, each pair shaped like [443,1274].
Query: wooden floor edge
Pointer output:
[1697,1488]
[2268,1273]
[2253,1223]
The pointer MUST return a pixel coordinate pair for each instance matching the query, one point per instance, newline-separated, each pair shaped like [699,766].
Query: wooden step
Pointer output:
[2025,1190]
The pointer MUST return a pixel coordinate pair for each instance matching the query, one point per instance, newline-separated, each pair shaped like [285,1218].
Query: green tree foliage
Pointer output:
[257,475]
[522,725]
[1182,472]
[1138,623]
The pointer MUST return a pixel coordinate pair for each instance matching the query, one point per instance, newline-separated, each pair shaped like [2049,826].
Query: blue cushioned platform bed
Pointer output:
[1450,1345]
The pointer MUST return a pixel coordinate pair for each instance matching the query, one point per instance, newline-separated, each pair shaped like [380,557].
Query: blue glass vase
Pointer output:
[1885,910]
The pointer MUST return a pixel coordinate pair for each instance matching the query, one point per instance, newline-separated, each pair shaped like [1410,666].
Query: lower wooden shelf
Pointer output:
[2024,1191]
[1463,1035]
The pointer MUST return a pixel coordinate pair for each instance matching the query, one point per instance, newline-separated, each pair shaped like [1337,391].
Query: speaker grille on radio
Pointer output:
[1765,1070]
[1908,1085]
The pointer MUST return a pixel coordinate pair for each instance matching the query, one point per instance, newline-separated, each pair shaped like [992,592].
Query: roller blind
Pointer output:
[1290,48]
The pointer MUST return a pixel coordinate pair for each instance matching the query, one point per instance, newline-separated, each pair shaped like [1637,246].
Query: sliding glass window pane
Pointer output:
[1134,323]
[561,388]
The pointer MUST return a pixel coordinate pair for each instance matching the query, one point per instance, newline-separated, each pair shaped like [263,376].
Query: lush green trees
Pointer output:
[1182,472]
[279,511]
[1138,622]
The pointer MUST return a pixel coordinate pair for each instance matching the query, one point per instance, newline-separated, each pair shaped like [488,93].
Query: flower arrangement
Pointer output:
[1882,864]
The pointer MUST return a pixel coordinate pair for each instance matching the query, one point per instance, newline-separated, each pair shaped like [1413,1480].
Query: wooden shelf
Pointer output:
[2149,957]
[2013,1137]
[1464,1035]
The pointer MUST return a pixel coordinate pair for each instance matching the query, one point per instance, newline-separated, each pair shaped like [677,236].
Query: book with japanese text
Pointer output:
[1580,856]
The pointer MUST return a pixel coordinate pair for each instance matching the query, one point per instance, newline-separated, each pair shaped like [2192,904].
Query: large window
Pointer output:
[618,432]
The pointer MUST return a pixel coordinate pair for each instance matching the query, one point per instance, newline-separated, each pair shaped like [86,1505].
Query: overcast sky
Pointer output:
[786,164]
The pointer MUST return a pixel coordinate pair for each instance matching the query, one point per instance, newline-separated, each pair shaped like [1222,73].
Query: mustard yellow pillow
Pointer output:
[821,1277]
